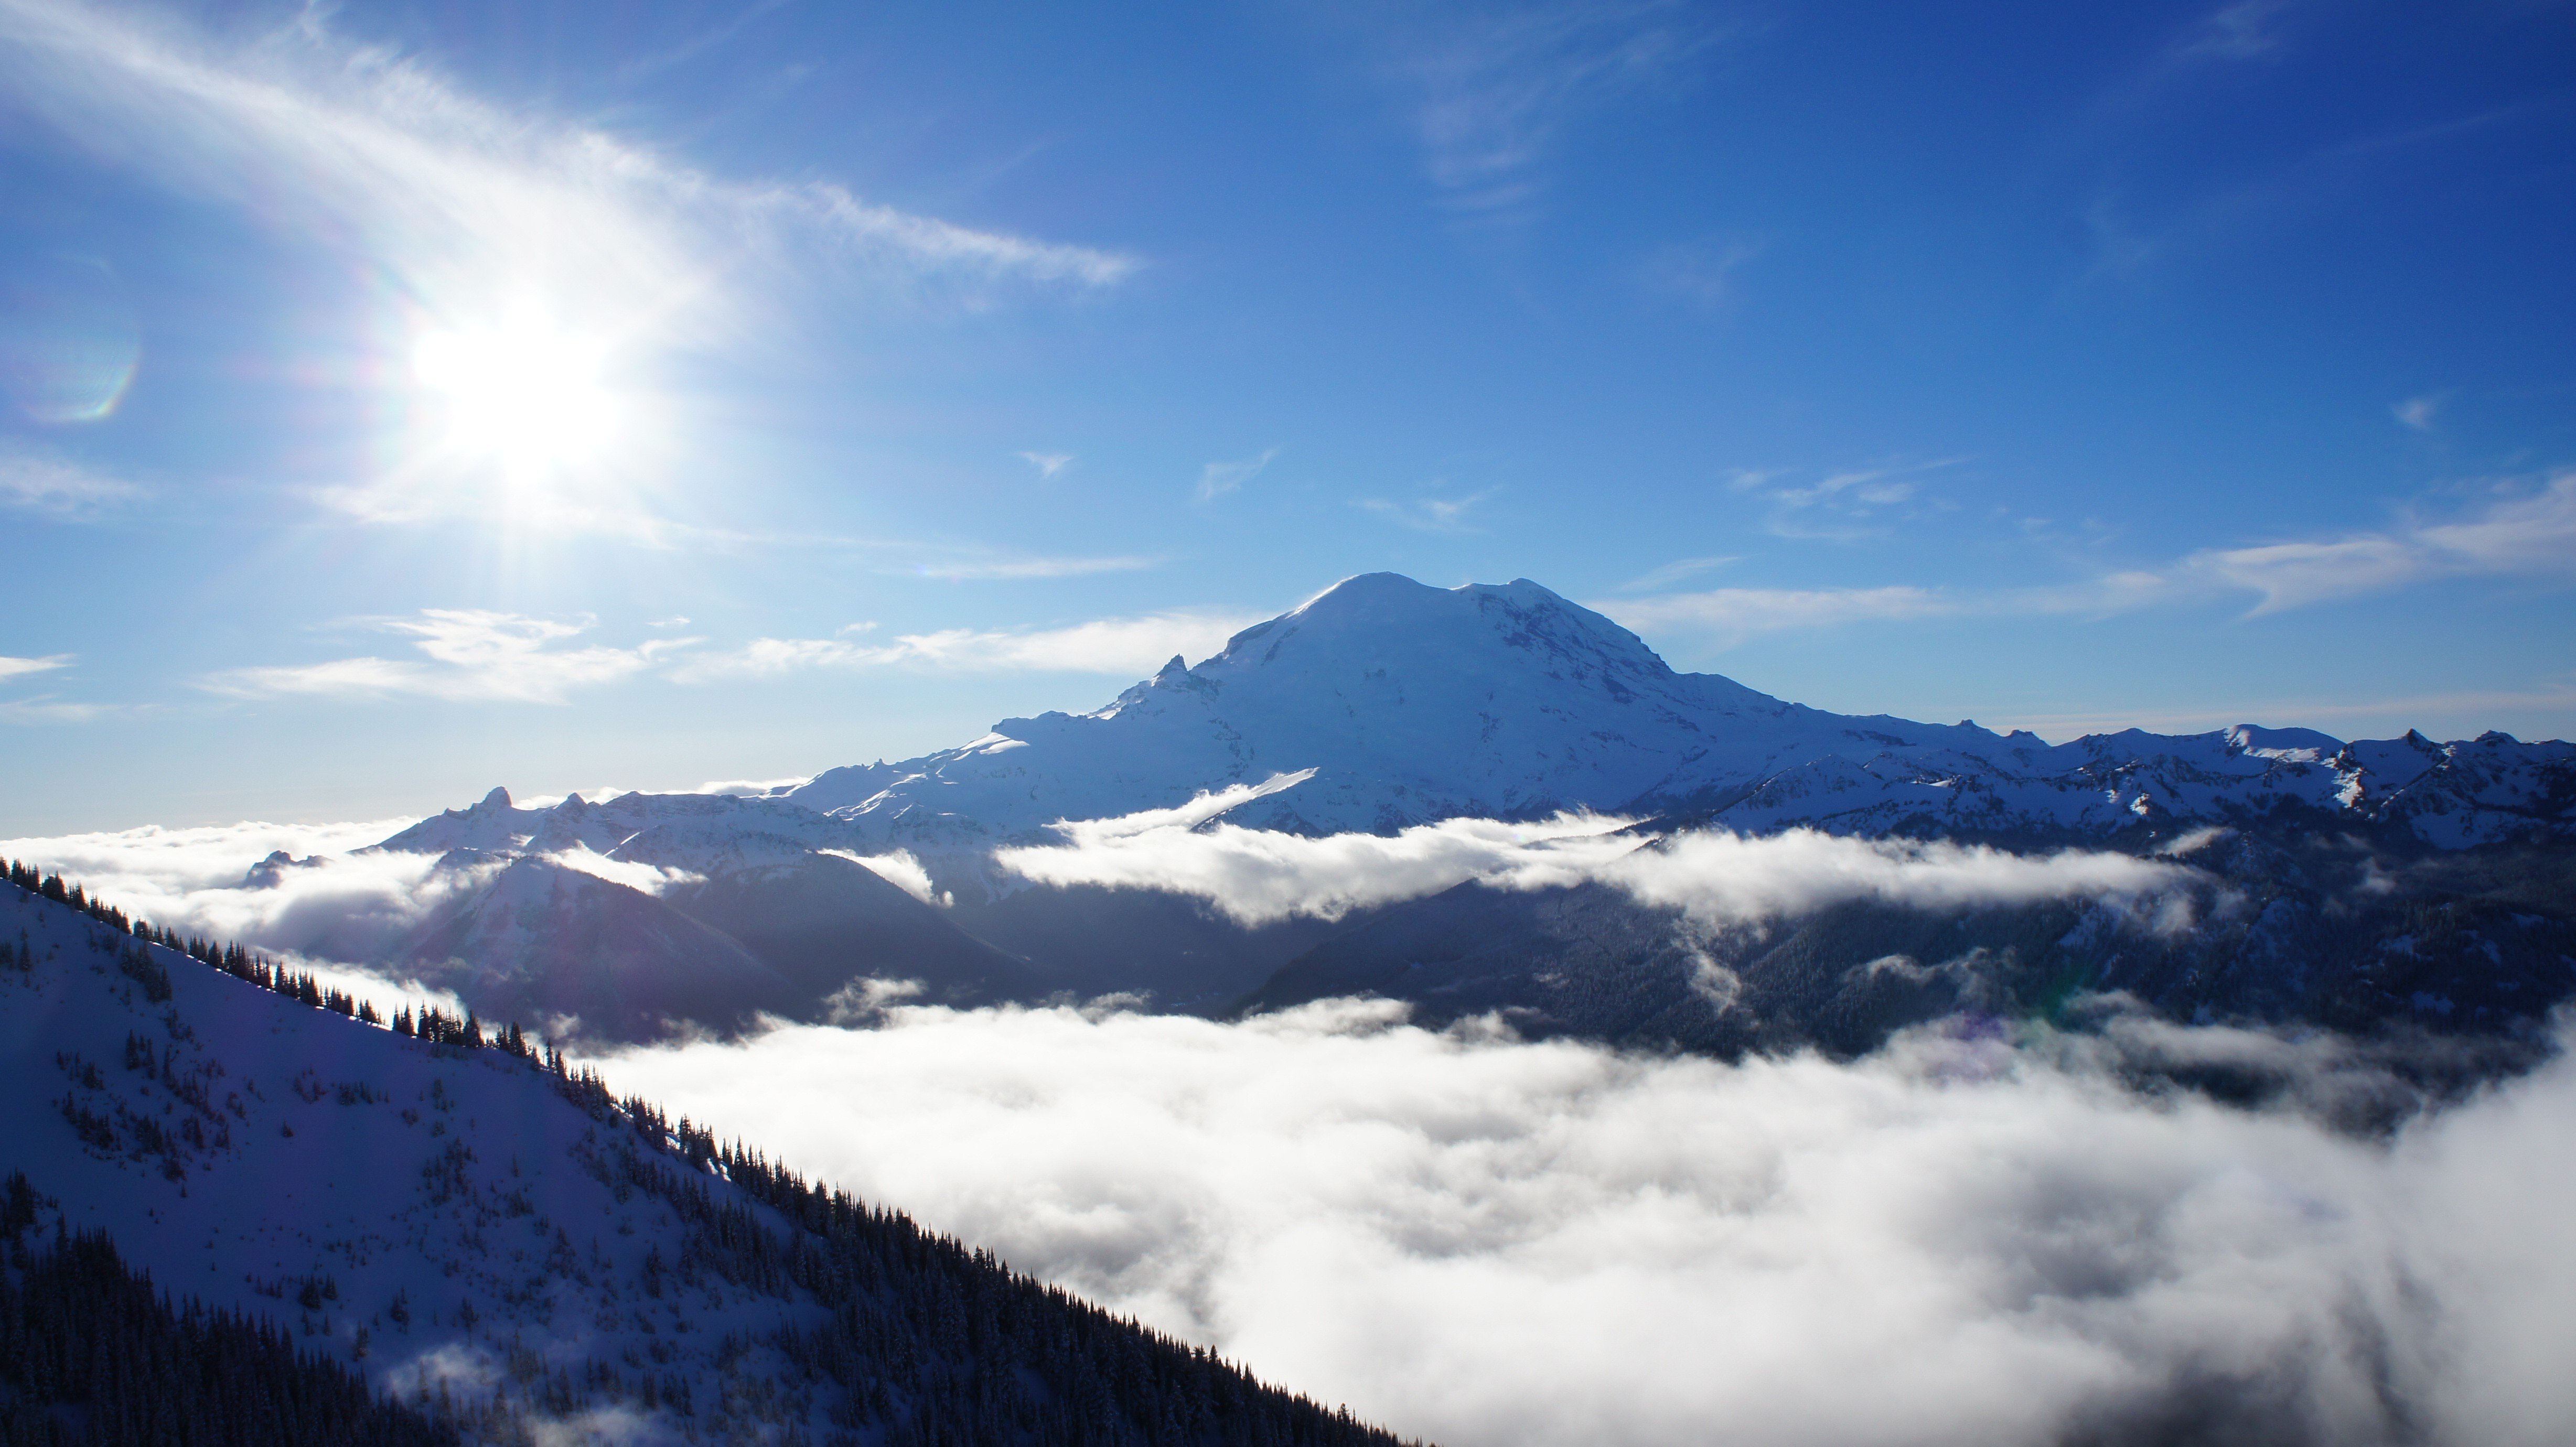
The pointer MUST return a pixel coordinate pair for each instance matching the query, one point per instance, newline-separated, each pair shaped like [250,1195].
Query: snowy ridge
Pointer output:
[508,1243]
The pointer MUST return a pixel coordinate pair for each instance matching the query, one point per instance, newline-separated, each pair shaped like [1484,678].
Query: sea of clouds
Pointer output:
[1486,1241]
[1482,1240]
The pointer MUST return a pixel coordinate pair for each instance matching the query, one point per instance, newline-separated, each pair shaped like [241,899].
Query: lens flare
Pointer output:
[69,340]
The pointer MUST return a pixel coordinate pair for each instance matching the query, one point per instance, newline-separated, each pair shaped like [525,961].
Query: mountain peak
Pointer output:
[1408,703]
[1391,625]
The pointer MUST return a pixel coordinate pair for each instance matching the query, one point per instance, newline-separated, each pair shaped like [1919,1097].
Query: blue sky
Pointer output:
[408,399]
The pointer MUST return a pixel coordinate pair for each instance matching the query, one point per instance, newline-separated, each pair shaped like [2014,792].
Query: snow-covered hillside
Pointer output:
[473,1228]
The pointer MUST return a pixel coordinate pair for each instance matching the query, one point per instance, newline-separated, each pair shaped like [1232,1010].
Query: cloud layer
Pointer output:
[1715,877]
[1489,1242]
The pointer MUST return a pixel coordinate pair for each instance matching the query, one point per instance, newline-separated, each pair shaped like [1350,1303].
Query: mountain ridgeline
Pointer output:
[2351,883]
[242,1211]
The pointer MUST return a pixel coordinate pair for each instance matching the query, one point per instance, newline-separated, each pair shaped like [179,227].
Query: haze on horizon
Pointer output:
[402,400]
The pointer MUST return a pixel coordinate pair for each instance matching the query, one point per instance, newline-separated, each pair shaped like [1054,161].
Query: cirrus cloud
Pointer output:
[2516,532]
[473,655]
[1124,647]
[455,192]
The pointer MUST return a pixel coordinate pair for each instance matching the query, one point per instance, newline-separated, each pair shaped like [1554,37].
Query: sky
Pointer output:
[402,400]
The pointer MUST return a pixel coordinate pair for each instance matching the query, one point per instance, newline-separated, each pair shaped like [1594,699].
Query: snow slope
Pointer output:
[510,1245]
[430,1212]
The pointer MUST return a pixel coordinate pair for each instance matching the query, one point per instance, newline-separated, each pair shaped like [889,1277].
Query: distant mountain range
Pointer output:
[1401,705]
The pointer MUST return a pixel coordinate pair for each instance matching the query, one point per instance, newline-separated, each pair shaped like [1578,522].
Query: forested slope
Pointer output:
[478,1230]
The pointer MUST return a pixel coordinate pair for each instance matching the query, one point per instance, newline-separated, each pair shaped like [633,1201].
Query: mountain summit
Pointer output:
[1412,703]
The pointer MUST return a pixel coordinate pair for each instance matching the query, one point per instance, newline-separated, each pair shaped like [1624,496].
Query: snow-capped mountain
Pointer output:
[1414,703]
[484,1233]
[1379,705]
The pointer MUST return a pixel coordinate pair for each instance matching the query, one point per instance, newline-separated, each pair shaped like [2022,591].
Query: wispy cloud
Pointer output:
[886,234]
[700,43]
[1492,91]
[16,667]
[2514,533]
[451,189]
[2527,533]
[980,569]
[2418,412]
[471,655]
[1841,506]
[1219,478]
[1699,272]
[1430,514]
[45,708]
[44,482]
[1048,464]
[1731,615]
[1673,572]
[2239,30]
[459,195]
[1124,647]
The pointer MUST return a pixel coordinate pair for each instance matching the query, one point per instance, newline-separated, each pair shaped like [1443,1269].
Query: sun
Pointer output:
[522,392]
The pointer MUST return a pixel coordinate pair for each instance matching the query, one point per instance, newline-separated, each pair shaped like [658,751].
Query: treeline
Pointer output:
[91,1355]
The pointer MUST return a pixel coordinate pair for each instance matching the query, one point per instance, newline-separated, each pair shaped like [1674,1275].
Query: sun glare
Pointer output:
[523,392]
